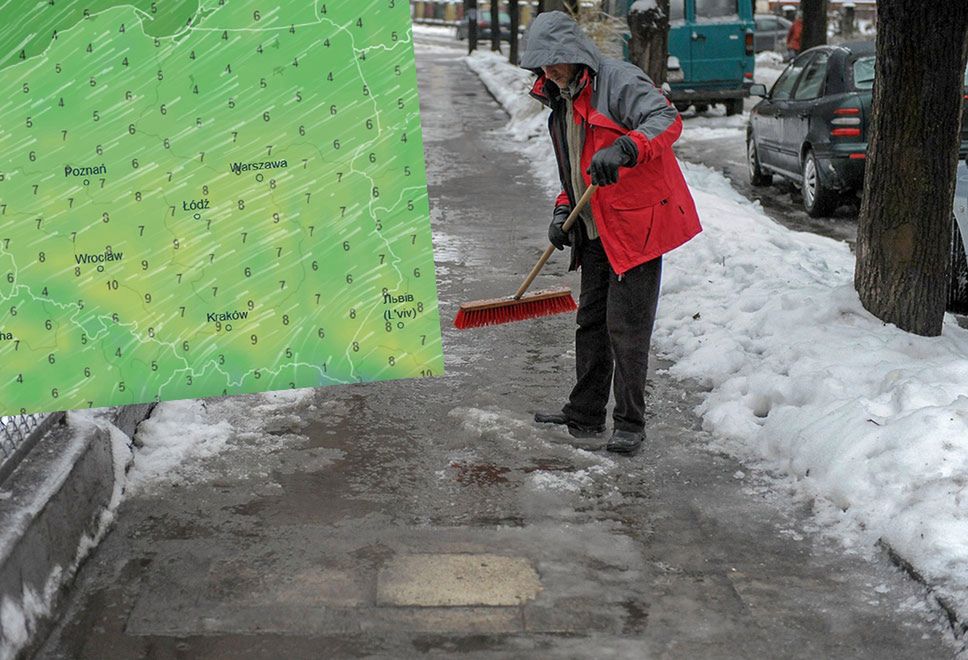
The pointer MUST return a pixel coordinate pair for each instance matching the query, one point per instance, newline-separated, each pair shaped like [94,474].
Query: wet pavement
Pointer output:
[434,518]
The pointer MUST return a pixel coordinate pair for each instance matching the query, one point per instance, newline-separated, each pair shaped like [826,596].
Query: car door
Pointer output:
[766,120]
[679,41]
[718,48]
[795,123]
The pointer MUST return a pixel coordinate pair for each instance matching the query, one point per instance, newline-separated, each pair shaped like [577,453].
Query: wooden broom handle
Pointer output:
[569,223]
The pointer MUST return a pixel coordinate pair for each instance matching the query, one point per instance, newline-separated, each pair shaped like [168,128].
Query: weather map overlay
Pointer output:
[209,197]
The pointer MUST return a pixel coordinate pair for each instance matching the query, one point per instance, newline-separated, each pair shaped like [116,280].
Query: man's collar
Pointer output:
[577,84]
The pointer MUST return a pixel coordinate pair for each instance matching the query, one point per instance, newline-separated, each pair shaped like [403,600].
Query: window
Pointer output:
[863,72]
[716,8]
[811,83]
[616,7]
[784,84]
[766,24]
[677,10]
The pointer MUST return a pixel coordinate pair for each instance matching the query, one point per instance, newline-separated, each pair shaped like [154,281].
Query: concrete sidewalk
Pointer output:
[432,517]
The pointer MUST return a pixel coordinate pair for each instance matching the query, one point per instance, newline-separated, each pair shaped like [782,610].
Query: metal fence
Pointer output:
[18,435]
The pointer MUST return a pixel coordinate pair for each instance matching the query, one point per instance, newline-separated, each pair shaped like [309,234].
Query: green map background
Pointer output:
[330,257]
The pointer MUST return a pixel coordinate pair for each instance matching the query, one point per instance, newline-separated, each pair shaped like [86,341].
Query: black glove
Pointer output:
[558,237]
[605,162]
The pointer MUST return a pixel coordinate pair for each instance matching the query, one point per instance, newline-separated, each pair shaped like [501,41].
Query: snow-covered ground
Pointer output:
[868,422]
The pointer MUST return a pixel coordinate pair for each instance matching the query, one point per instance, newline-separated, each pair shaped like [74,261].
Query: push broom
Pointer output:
[520,307]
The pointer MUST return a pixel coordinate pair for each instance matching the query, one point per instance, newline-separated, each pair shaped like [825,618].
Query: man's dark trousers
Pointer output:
[615,319]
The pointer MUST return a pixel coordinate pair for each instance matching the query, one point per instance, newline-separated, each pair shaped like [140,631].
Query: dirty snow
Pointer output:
[867,421]
[173,445]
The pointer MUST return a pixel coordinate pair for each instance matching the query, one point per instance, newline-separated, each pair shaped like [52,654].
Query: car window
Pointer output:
[862,70]
[764,24]
[784,84]
[811,83]
[716,8]
[677,10]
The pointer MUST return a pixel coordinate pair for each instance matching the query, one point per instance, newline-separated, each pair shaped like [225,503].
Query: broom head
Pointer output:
[508,310]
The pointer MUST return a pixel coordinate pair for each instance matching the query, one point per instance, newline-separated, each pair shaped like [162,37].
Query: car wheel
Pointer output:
[958,282]
[757,177]
[701,107]
[733,107]
[818,199]
[682,107]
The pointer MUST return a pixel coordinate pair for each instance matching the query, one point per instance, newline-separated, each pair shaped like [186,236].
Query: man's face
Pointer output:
[560,74]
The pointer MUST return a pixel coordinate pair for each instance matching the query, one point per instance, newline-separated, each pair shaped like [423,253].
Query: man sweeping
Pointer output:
[610,127]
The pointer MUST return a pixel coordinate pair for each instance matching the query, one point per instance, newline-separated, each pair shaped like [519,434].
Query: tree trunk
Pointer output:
[814,23]
[649,47]
[470,11]
[904,229]
[495,26]
[515,13]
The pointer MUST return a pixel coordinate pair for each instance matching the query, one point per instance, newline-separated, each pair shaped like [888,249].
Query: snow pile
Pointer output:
[176,432]
[769,66]
[871,421]
[173,445]
[18,621]
[770,59]
[645,6]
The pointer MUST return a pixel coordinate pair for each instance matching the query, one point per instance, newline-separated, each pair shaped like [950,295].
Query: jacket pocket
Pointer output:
[640,186]
[629,229]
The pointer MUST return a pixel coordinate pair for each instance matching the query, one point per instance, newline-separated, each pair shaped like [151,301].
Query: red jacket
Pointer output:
[650,211]
[793,35]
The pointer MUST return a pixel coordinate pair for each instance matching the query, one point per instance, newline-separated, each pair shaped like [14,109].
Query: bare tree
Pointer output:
[649,47]
[470,11]
[904,231]
[515,14]
[496,26]
[814,23]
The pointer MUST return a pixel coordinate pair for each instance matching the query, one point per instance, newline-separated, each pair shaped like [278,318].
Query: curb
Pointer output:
[52,513]
[956,618]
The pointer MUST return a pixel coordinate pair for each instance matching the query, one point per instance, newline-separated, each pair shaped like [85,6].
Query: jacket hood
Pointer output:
[555,38]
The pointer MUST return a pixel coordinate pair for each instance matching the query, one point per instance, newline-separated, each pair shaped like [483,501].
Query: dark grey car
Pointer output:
[770,33]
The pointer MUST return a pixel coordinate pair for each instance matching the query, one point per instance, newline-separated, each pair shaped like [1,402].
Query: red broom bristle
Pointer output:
[514,310]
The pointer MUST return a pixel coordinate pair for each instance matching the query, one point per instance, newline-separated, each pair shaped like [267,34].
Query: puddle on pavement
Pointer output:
[489,474]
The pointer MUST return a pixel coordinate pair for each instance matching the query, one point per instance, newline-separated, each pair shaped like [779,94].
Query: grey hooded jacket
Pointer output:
[555,38]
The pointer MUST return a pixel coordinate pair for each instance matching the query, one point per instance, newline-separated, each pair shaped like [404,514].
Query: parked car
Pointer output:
[484,26]
[770,33]
[712,41]
[812,127]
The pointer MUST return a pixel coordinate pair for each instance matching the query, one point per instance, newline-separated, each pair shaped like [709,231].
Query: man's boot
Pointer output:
[575,429]
[625,442]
